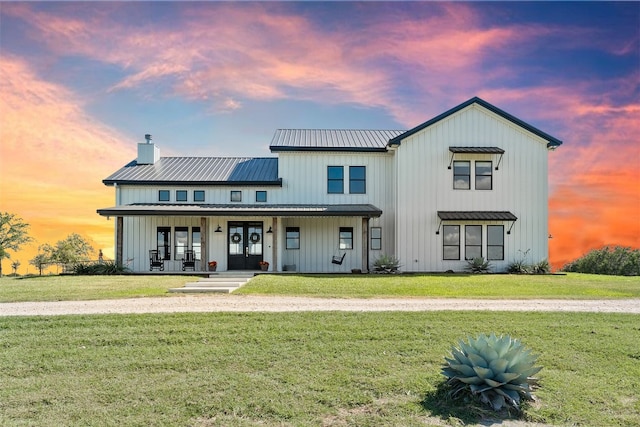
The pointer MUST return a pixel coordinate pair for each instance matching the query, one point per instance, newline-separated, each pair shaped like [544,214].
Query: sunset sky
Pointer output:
[81,83]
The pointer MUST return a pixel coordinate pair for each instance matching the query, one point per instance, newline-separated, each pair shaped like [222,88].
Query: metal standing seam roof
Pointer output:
[482,150]
[476,216]
[200,170]
[332,140]
[144,209]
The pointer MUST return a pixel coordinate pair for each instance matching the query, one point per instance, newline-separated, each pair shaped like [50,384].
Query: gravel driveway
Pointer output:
[241,303]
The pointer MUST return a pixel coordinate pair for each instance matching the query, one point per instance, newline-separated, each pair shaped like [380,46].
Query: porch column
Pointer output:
[274,244]
[365,245]
[203,244]
[119,234]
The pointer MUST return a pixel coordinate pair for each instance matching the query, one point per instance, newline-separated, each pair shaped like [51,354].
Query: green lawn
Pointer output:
[570,286]
[66,288]
[301,369]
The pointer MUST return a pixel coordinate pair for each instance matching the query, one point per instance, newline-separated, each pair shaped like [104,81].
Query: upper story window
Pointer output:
[335,179]
[236,196]
[164,195]
[198,195]
[181,195]
[346,237]
[461,175]
[376,238]
[484,175]
[357,179]
[293,237]
[261,196]
[451,242]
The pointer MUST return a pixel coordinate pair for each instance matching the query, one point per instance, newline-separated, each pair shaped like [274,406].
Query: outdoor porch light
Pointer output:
[269,231]
[218,230]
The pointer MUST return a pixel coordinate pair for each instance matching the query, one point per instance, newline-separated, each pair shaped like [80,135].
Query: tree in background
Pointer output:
[14,266]
[72,250]
[616,260]
[44,257]
[13,234]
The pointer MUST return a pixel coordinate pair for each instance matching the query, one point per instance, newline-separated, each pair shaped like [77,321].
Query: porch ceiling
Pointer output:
[284,210]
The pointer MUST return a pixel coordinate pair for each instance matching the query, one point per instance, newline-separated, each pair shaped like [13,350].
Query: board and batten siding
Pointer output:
[214,194]
[425,186]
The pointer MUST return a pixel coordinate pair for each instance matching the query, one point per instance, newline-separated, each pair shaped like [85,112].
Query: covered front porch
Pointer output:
[276,238]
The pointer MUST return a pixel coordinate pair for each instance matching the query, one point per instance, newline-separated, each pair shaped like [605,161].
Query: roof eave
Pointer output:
[277,183]
[282,149]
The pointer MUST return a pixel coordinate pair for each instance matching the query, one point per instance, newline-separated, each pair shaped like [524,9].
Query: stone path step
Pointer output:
[218,283]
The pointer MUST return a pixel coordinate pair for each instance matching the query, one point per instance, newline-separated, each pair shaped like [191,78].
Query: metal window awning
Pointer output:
[476,150]
[476,216]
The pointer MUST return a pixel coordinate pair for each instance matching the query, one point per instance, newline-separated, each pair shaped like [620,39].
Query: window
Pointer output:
[451,242]
[182,242]
[181,195]
[164,196]
[195,242]
[461,175]
[293,237]
[335,179]
[472,241]
[484,176]
[495,242]
[198,196]
[376,238]
[164,242]
[236,196]
[346,237]
[261,196]
[357,179]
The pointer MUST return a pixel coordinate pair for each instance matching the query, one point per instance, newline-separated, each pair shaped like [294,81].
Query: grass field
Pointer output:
[301,369]
[570,286]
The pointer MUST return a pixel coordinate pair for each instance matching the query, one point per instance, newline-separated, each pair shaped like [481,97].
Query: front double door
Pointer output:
[245,240]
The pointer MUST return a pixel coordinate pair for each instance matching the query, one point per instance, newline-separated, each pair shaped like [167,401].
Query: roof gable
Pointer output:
[551,141]
[199,171]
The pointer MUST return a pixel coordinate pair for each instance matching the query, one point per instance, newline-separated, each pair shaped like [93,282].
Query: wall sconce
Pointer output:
[550,236]
[269,231]
[218,230]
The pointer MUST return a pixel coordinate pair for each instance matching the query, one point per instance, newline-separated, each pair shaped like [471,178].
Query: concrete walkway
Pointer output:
[250,303]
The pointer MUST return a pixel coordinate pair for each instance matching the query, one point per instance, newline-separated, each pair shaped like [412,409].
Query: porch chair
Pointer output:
[188,260]
[155,261]
[337,259]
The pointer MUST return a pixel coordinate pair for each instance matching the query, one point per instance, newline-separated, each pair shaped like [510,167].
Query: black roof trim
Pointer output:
[154,209]
[282,149]
[476,216]
[551,141]
[277,183]
[480,150]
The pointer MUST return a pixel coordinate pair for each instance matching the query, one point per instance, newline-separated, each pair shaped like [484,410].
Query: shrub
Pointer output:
[478,266]
[616,260]
[386,264]
[99,269]
[542,267]
[497,370]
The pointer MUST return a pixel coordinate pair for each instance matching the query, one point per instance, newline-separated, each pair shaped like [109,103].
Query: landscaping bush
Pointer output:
[616,260]
[386,264]
[99,268]
[478,266]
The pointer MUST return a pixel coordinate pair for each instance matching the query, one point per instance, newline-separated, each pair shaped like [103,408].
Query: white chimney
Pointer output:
[148,153]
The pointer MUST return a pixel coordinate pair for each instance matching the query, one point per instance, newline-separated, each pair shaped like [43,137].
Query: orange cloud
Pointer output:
[53,157]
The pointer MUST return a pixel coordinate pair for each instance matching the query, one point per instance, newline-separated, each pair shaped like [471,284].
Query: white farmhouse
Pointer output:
[471,182]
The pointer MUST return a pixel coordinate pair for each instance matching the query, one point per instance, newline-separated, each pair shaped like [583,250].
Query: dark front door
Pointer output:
[245,245]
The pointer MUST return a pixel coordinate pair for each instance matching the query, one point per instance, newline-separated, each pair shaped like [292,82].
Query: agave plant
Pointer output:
[498,370]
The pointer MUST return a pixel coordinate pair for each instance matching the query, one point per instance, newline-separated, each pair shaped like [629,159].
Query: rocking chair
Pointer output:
[188,261]
[155,261]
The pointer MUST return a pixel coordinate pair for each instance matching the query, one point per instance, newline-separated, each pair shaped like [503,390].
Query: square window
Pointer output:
[261,196]
[484,176]
[198,196]
[376,238]
[293,237]
[181,195]
[164,196]
[451,242]
[236,196]
[461,175]
[335,179]
[357,179]
[346,238]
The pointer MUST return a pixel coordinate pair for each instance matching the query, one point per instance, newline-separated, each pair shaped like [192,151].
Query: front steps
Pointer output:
[224,282]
